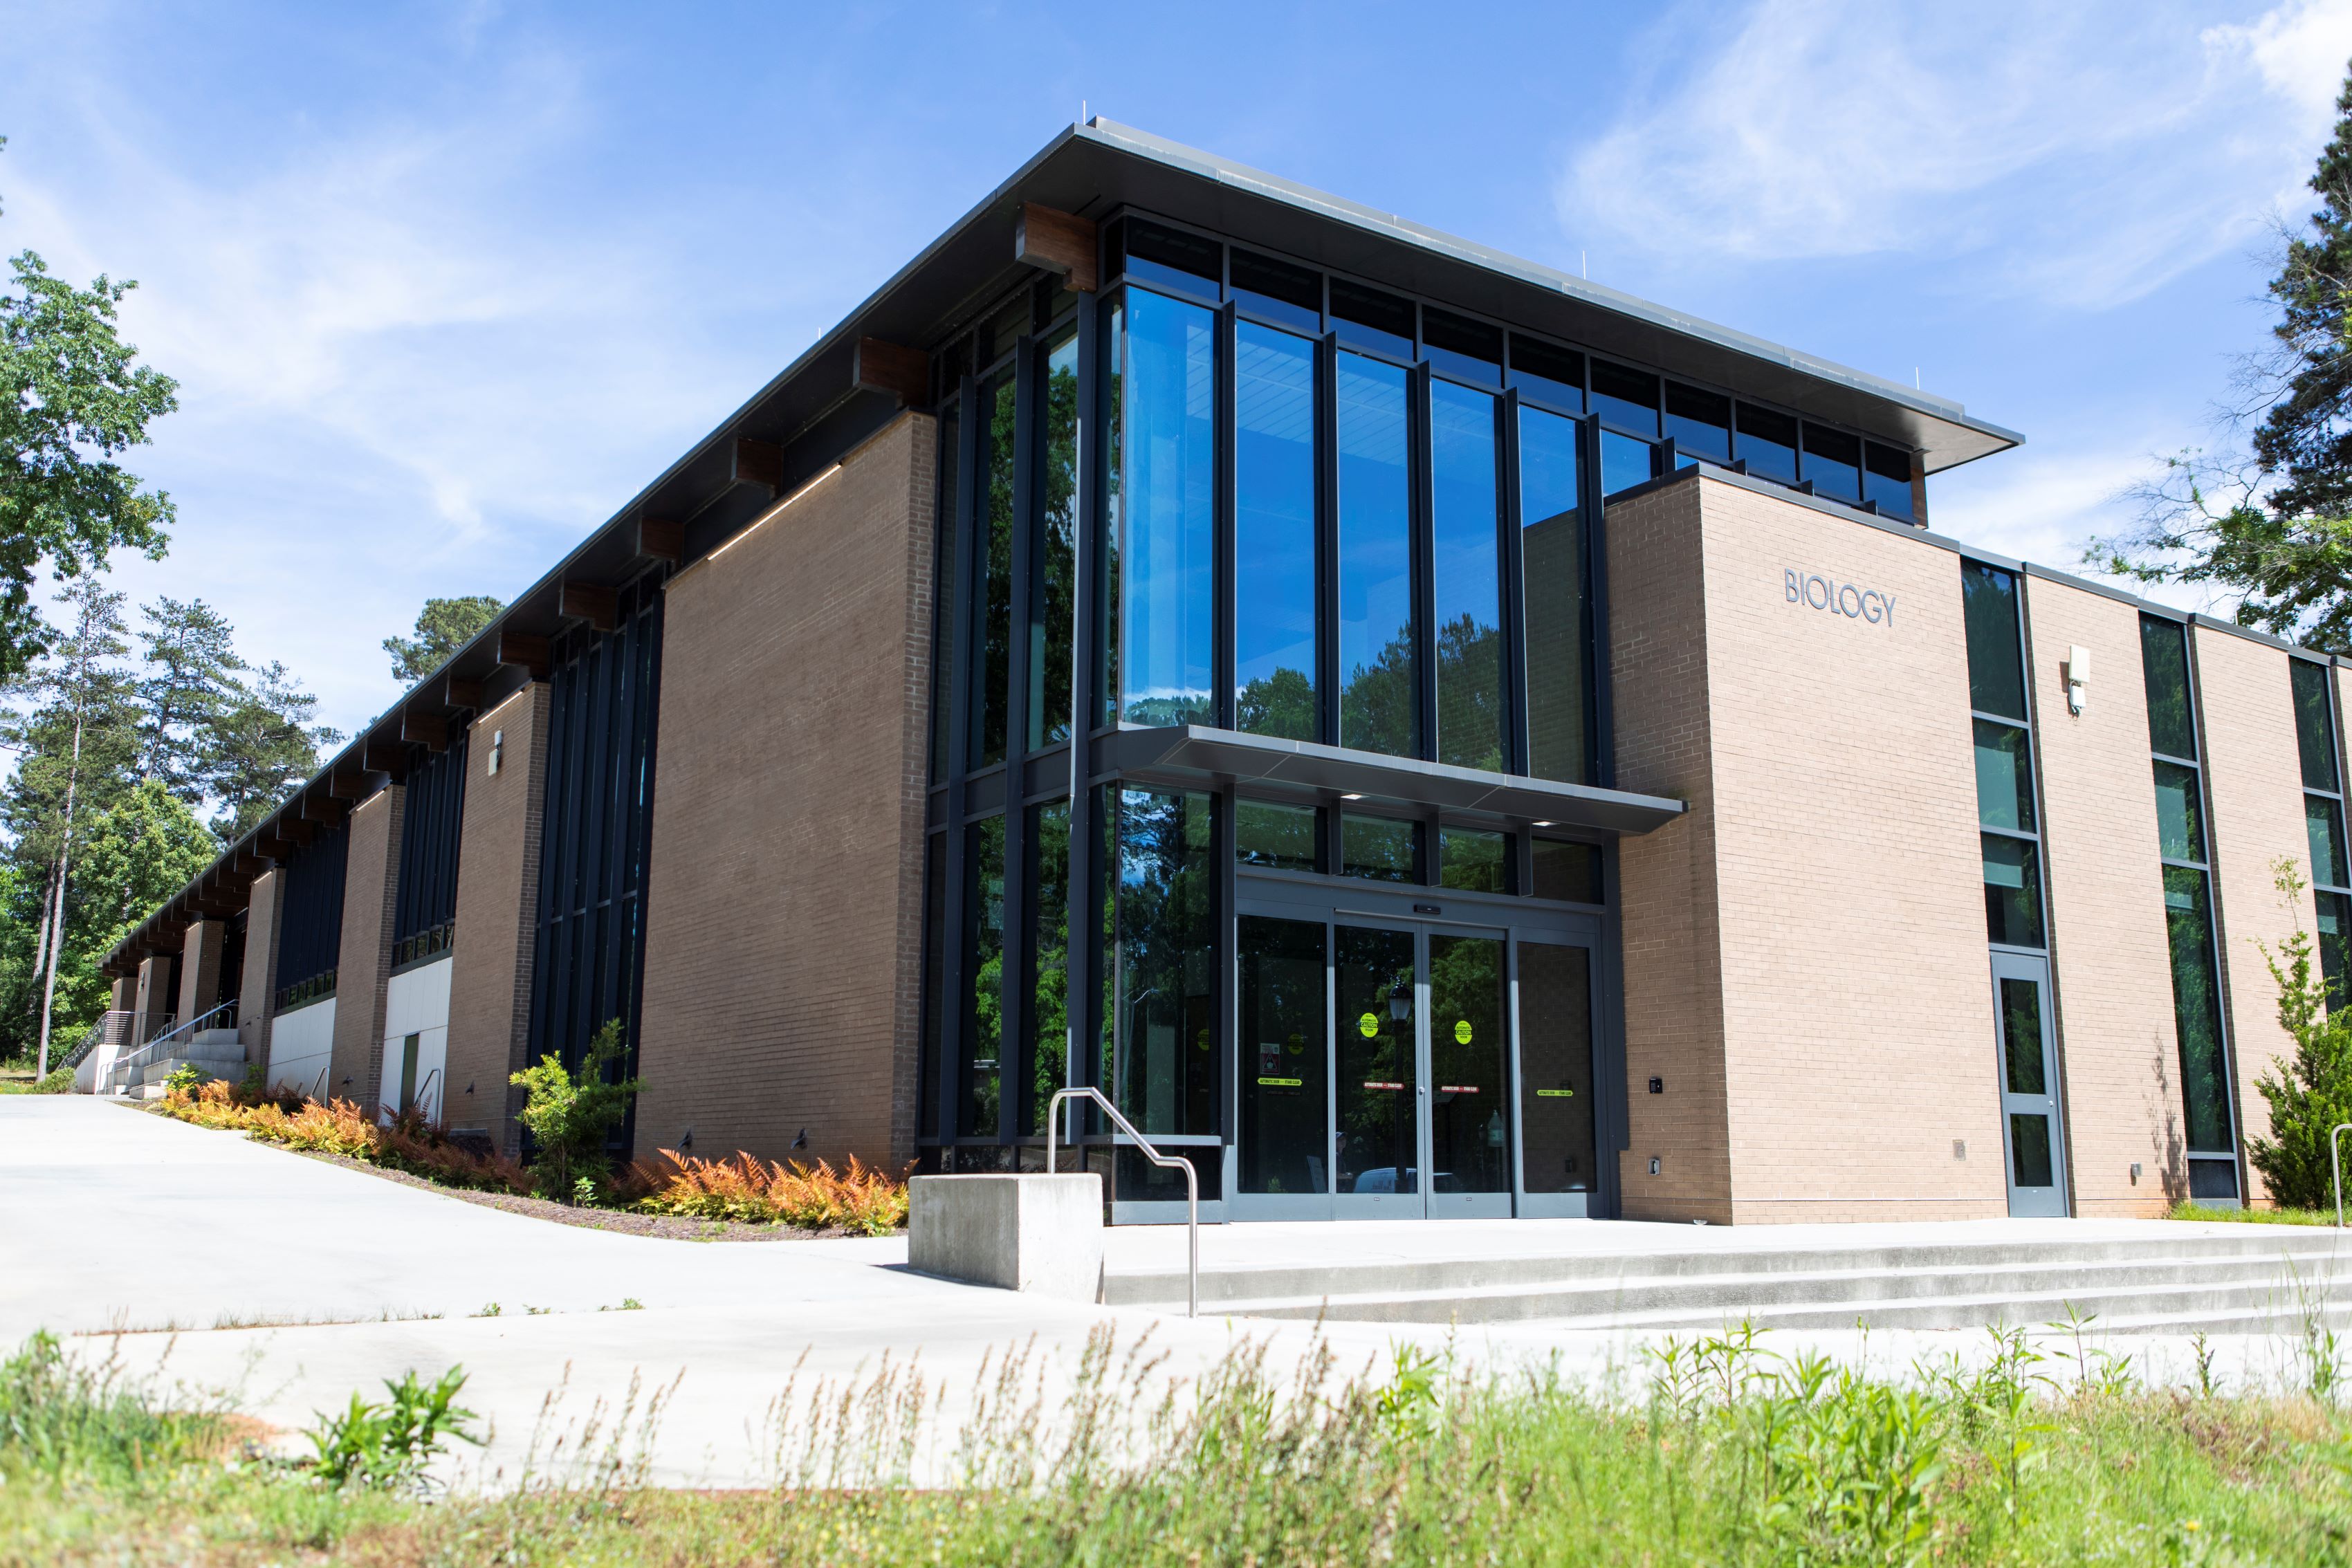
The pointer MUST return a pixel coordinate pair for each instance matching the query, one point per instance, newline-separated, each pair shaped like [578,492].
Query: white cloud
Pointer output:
[2083,154]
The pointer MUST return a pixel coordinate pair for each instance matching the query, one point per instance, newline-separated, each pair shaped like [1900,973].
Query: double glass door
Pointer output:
[1385,1072]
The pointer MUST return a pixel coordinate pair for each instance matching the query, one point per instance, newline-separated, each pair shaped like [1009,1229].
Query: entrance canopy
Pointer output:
[1196,755]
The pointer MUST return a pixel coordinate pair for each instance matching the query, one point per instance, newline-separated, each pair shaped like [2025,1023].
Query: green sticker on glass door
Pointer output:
[1368,1025]
[1462,1031]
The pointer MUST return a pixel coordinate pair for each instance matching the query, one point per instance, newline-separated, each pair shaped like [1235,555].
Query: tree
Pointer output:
[571,1115]
[190,678]
[442,626]
[2309,1092]
[259,742]
[72,399]
[2270,524]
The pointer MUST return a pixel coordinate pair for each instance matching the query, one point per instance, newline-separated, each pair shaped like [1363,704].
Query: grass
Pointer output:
[2188,1209]
[1719,1451]
[744,1188]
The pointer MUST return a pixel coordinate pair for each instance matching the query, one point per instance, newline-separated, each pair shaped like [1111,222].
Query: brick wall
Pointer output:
[2254,777]
[363,969]
[783,902]
[200,956]
[2118,1052]
[1857,997]
[259,993]
[497,905]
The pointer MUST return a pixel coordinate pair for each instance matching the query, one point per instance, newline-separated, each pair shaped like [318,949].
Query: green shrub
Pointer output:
[184,1079]
[67,1421]
[2309,1092]
[388,1445]
[568,1116]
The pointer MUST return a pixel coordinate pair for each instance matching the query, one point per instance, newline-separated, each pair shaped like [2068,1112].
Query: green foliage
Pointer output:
[58,1081]
[571,1115]
[259,742]
[187,670]
[184,1078]
[72,399]
[442,626]
[2189,1209]
[67,1420]
[2309,1092]
[389,1445]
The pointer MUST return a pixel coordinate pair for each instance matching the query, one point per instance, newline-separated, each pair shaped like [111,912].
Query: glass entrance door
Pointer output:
[1378,1081]
[2029,1086]
[1560,1163]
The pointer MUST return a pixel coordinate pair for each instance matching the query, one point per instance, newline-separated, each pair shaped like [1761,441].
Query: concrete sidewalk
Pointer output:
[120,1220]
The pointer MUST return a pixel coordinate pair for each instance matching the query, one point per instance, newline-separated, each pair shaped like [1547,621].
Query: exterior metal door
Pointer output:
[1557,1022]
[2031,1134]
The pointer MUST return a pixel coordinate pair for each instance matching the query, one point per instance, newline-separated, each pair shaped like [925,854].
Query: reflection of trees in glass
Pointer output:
[996,576]
[2196,1005]
[1057,523]
[1468,1141]
[2163,661]
[1106,670]
[1165,1067]
[1169,451]
[1375,981]
[1281,704]
[1377,701]
[1470,694]
[1049,944]
[984,961]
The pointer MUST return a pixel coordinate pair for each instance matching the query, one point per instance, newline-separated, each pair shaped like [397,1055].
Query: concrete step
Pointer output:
[2266,1280]
[217,1066]
[221,1037]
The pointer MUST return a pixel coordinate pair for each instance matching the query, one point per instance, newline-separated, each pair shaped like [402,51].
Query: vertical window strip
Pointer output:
[2008,826]
[2322,810]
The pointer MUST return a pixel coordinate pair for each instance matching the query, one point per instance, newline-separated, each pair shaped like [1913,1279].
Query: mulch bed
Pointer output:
[670,1227]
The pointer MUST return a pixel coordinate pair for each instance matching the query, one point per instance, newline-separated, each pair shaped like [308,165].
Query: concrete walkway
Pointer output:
[236,1266]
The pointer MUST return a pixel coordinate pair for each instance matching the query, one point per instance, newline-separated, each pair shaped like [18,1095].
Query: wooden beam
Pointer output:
[463,693]
[1058,242]
[292,827]
[904,374]
[759,462]
[350,784]
[526,652]
[429,730]
[251,863]
[600,607]
[662,538]
[385,756]
[323,808]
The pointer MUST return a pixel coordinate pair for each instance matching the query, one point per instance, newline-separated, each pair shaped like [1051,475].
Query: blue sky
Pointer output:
[445,284]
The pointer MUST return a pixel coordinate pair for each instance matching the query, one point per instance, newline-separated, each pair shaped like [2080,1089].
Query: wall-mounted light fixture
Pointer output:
[498,750]
[1654,1164]
[2078,674]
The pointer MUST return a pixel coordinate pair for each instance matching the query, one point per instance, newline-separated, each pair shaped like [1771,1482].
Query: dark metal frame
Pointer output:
[425,908]
[310,925]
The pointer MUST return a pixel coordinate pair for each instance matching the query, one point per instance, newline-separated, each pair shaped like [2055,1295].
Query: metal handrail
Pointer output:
[422,1091]
[91,1037]
[1166,1162]
[136,1041]
[2335,1158]
[154,1049]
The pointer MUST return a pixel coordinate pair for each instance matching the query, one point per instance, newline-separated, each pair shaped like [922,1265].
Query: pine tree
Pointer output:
[442,626]
[189,679]
[259,744]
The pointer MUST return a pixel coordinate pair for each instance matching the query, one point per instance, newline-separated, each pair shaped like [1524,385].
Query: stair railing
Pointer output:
[160,1047]
[1166,1162]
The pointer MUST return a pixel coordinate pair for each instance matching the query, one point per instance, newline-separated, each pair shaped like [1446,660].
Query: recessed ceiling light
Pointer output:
[1352,796]
[1541,824]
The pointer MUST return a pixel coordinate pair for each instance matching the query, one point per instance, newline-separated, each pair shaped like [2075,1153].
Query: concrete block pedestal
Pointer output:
[1038,1233]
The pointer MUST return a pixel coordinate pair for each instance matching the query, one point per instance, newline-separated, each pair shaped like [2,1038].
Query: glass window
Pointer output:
[1996,663]
[2196,1009]
[1887,480]
[1163,1066]
[1052,558]
[2029,1141]
[2164,662]
[1567,870]
[2325,829]
[1767,443]
[2021,1031]
[1548,375]
[935,980]
[1275,661]
[944,663]
[994,571]
[1699,421]
[1049,950]
[1279,836]
[983,961]
[1008,326]
[1626,463]
[2012,879]
[1627,398]
[2335,943]
[2315,727]
[1461,346]
[1379,710]
[1467,556]
[1277,290]
[2004,777]
[2179,813]
[1164,511]
[1172,259]
[1382,848]
[1473,860]
[1552,555]
[1833,462]
[1367,318]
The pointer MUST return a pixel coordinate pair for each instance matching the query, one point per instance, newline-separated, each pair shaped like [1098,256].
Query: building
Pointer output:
[1426,734]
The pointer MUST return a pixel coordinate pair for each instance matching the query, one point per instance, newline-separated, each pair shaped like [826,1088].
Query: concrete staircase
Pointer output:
[2263,1280]
[217,1052]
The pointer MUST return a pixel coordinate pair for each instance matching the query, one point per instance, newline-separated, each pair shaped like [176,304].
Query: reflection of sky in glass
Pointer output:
[1468,582]
[1375,557]
[1166,564]
[1274,520]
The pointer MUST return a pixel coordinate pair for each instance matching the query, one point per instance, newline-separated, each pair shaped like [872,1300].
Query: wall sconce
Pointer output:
[1654,1164]
[2078,674]
[1959,1148]
[498,751]
[2135,1173]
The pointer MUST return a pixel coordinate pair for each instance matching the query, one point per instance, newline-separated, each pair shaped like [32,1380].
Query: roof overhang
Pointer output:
[1200,756]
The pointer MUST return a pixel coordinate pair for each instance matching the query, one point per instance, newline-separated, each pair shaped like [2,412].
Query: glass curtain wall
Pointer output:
[1277,655]
[2207,1125]
[1159,1040]
[1380,683]
[2323,812]
[310,927]
[1465,442]
[1160,552]
[2004,756]
[425,908]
